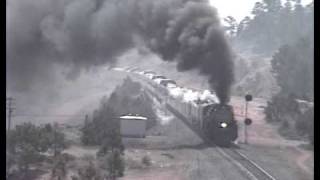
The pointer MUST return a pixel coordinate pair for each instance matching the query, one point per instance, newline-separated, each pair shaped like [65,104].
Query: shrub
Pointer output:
[146,160]
[27,142]
[89,172]
[113,162]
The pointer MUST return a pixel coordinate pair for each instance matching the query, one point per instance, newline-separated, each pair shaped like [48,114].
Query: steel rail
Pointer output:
[250,168]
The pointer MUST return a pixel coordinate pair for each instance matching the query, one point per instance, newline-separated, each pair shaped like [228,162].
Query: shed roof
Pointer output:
[128,117]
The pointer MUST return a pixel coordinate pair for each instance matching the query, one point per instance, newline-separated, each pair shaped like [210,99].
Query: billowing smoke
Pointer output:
[80,34]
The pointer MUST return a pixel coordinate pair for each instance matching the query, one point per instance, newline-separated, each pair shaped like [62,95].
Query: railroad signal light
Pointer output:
[248,97]
[247,121]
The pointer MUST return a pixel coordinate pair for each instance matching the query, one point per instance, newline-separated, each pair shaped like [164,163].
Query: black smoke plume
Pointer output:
[81,34]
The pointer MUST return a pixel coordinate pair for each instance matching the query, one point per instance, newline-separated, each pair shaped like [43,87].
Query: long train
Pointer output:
[201,111]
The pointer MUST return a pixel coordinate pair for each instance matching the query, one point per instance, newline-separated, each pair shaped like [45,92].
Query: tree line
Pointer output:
[292,106]
[271,25]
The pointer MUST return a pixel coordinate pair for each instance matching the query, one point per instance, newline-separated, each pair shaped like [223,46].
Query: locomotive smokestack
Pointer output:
[87,33]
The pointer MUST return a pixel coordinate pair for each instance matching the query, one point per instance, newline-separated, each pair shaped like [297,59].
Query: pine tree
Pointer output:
[232,26]
[114,164]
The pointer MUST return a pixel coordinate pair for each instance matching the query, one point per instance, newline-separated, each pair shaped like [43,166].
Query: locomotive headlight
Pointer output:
[223,125]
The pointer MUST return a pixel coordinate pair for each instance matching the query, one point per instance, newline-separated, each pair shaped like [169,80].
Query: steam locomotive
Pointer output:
[200,111]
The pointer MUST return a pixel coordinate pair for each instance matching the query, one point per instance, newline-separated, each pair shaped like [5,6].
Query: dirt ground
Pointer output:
[268,148]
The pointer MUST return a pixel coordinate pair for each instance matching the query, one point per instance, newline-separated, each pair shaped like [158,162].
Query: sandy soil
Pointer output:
[259,132]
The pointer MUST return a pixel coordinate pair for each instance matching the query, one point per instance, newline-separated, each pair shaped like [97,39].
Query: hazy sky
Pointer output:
[238,8]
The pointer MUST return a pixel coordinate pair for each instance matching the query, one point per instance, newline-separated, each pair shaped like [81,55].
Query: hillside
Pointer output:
[252,72]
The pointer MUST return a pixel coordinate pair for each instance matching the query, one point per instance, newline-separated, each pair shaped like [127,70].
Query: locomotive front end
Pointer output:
[220,125]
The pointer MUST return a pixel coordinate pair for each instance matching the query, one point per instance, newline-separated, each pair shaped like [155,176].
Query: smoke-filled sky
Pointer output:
[48,37]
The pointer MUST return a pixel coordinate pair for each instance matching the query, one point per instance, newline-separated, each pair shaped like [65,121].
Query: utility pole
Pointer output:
[10,109]
[198,166]
[55,126]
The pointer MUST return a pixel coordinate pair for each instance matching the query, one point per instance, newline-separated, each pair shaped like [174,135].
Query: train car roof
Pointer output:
[158,76]
[169,80]
[206,102]
[149,72]
[131,69]
[165,82]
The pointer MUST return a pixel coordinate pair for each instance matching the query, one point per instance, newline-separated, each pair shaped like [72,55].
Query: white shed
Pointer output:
[133,126]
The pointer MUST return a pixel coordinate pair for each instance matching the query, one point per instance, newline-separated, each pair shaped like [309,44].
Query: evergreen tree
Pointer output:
[89,172]
[243,25]
[59,169]
[27,141]
[292,66]
[258,9]
[274,25]
[293,69]
[114,164]
[232,26]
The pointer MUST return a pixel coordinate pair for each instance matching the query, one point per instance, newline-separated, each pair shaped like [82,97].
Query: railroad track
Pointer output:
[252,170]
